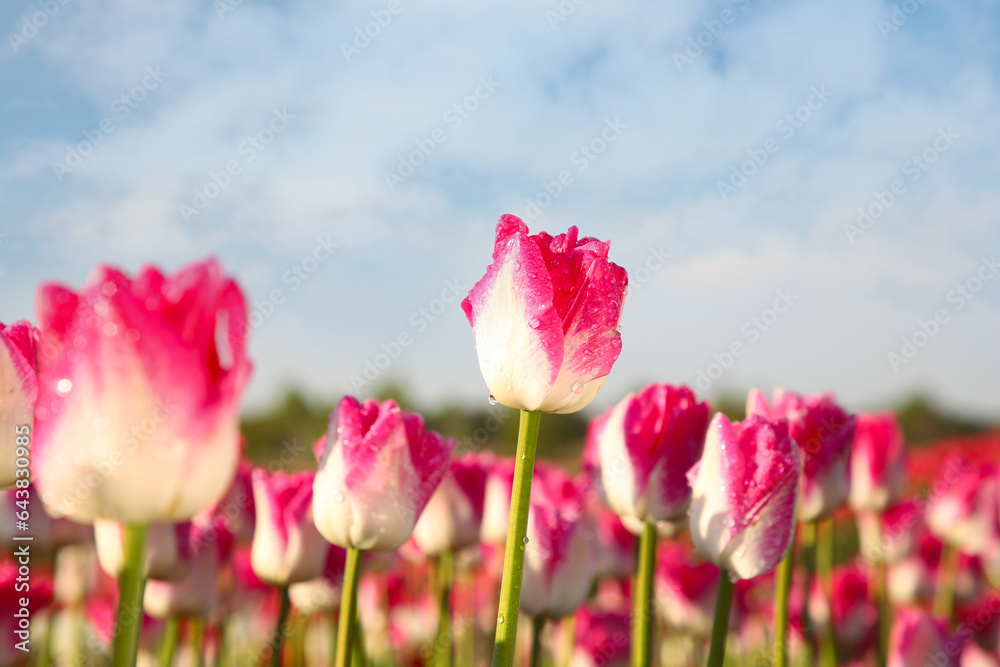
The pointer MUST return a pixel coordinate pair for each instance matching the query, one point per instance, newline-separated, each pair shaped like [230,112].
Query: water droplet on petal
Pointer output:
[578,388]
[533,323]
[493,400]
[64,386]
[339,497]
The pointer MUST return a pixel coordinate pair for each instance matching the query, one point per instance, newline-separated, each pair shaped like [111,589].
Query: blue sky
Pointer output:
[724,148]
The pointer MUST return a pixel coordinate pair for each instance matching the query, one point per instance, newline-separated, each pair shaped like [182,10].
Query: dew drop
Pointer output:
[522,456]
[493,400]
[533,323]
[525,540]
[64,386]
[578,388]
[500,620]
[339,497]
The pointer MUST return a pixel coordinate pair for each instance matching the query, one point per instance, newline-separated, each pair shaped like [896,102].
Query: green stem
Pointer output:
[331,623]
[168,646]
[45,656]
[131,585]
[443,645]
[360,658]
[537,624]
[517,528]
[348,608]
[278,638]
[824,572]
[807,555]
[720,627]
[642,626]
[944,594]
[783,587]
[878,585]
[197,626]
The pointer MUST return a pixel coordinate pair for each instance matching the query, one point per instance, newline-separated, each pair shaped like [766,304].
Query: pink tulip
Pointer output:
[602,638]
[496,503]
[975,656]
[202,550]
[824,432]
[647,443]
[545,317]
[854,615]
[377,473]
[966,512]
[287,548]
[559,558]
[744,495]
[454,513]
[918,639]
[878,462]
[614,543]
[138,406]
[686,589]
[18,343]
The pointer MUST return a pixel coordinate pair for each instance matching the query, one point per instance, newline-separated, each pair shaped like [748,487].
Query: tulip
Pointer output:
[602,639]
[454,513]
[975,656]
[877,462]
[377,473]
[138,413]
[965,516]
[545,317]
[496,502]
[559,562]
[202,551]
[742,510]
[851,615]
[824,432]
[647,443]
[378,469]
[743,506]
[18,342]
[323,593]
[614,542]
[918,639]
[287,548]
[686,589]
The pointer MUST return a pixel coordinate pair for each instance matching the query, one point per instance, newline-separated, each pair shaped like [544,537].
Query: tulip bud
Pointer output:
[854,615]
[646,444]
[545,317]
[917,639]
[378,471]
[138,405]
[878,462]
[454,512]
[824,432]
[18,342]
[286,545]
[744,495]
[559,562]
[965,513]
